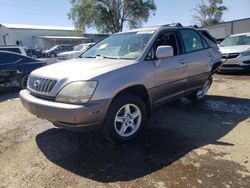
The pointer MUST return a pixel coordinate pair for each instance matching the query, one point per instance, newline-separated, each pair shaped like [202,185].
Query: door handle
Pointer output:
[182,61]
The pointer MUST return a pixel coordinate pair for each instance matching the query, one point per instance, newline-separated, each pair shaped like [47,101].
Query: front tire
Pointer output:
[23,82]
[200,94]
[125,119]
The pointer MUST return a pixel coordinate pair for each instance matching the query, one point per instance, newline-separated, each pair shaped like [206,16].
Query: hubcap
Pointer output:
[127,120]
[203,91]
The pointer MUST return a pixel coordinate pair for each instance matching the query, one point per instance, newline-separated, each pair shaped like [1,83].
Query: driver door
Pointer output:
[170,76]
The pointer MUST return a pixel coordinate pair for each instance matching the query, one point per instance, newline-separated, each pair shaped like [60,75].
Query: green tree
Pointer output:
[209,13]
[110,16]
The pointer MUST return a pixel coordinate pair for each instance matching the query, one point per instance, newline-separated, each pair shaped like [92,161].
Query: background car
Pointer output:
[35,53]
[16,68]
[13,48]
[52,52]
[236,49]
[76,51]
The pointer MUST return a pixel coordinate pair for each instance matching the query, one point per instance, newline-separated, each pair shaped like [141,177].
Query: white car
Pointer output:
[75,53]
[13,48]
[236,49]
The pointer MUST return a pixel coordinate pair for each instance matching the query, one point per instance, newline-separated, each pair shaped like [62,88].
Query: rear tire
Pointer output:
[126,117]
[200,94]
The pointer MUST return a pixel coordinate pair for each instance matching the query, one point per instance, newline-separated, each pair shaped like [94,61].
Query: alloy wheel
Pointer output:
[128,120]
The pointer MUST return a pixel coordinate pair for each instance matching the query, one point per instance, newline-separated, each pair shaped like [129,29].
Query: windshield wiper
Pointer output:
[106,57]
[100,56]
[87,57]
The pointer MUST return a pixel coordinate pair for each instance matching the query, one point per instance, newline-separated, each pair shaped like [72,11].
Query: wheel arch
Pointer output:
[139,91]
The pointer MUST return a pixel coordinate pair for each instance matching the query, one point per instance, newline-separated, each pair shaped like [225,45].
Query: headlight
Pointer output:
[77,92]
[246,53]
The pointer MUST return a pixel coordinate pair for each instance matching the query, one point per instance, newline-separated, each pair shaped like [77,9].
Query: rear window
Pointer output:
[192,40]
[16,50]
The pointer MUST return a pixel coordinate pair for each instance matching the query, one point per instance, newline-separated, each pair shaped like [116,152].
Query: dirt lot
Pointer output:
[185,145]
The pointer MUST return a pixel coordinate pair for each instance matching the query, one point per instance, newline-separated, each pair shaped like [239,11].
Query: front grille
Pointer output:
[40,85]
[230,55]
[62,57]
[246,62]
[230,65]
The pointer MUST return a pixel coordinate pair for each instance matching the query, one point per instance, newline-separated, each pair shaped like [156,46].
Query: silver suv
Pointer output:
[116,83]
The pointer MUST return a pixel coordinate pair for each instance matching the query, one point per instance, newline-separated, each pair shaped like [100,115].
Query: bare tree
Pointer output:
[209,12]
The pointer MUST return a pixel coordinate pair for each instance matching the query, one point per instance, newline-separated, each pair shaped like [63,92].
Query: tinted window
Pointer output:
[192,40]
[8,58]
[205,43]
[16,50]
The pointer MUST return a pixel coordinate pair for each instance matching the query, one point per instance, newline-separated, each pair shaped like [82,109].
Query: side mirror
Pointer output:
[164,52]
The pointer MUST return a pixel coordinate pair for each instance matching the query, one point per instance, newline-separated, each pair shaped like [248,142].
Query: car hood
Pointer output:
[234,49]
[80,69]
[69,53]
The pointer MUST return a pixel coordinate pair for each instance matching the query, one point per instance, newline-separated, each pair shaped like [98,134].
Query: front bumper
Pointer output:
[239,63]
[66,115]
[63,58]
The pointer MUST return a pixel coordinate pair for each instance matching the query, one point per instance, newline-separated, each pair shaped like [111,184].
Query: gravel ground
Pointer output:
[185,145]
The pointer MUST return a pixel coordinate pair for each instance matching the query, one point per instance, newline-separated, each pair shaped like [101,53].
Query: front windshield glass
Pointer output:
[79,47]
[120,46]
[53,48]
[236,40]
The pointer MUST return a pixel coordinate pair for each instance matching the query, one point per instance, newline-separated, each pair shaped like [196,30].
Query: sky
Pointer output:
[54,12]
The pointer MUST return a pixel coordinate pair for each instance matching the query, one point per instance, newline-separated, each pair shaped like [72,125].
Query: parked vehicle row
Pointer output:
[71,51]
[115,85]
[35,53]
[79,49]
[55,50]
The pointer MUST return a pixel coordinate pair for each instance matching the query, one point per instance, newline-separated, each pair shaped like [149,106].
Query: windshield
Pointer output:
[120,46]
[80,47]
[53,48]
[236,40]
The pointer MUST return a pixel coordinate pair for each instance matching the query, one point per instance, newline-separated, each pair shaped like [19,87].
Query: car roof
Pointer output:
[11,46]
[239,34]
[9,52]
[160,27]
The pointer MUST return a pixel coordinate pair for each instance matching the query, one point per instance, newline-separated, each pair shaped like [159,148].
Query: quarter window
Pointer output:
[192,40]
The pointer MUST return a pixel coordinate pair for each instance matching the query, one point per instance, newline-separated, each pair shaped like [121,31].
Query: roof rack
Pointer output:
[10,45]
[173,25]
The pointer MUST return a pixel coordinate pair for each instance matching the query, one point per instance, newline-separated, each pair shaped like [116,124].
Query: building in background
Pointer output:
[42,37]
[222,30]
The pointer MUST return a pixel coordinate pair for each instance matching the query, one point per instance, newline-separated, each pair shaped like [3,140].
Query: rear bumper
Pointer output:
[66,115]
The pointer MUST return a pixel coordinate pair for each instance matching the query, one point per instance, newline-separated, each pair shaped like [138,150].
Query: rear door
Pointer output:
[198,57]
[170,73]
